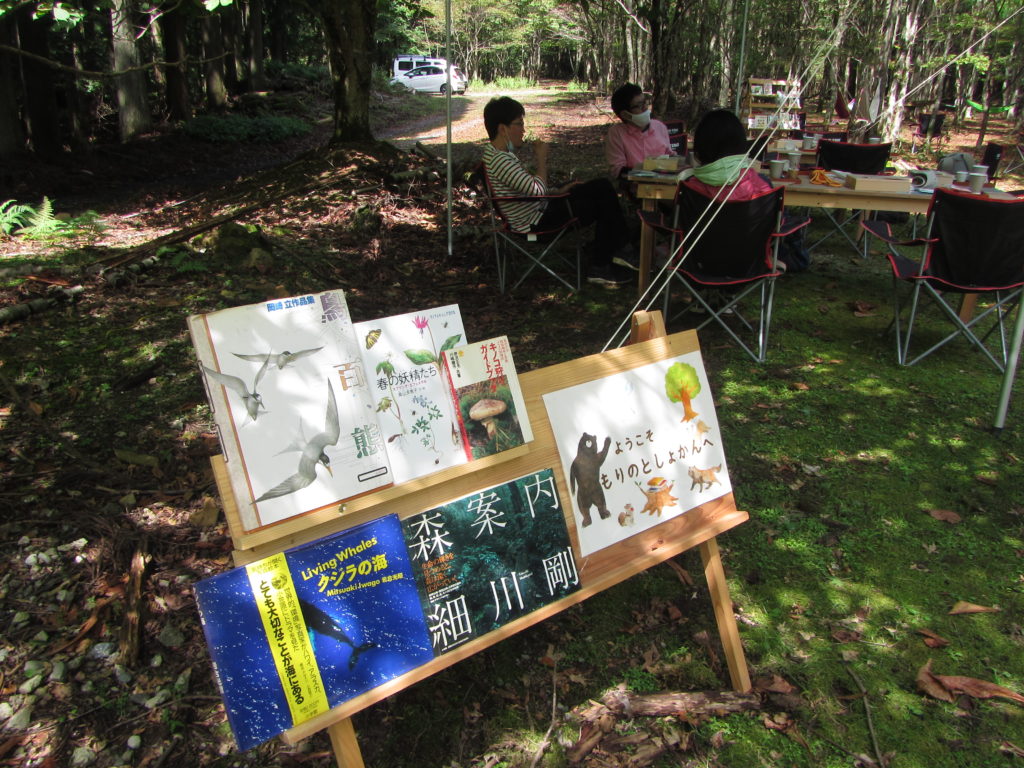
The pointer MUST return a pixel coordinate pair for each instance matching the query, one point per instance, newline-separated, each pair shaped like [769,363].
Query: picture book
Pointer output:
[402,358]
[291,402]
[490,557]
[303,631]
[485,387]
[638,448]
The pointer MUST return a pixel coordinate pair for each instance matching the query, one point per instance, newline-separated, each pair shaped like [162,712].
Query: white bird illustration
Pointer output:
[251,400]
[313,453]
[281,359]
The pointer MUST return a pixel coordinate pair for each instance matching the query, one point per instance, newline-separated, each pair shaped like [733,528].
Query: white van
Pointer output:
[403,62]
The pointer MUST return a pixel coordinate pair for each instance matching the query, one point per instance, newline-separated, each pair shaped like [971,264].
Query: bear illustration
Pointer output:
[585,477]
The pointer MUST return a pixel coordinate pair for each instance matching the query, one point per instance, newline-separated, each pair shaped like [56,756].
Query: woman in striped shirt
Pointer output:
[592,201]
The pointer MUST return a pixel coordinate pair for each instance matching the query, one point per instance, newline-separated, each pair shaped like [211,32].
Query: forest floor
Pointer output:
[113,514]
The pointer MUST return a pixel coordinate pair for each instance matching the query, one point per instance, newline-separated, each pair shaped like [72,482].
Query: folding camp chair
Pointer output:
[539,249]
[676,136]
[993,154]
[928,128]
[851,158]
[725,257]
[974,245]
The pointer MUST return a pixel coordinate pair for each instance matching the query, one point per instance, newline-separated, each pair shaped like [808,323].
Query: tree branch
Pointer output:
[92,75]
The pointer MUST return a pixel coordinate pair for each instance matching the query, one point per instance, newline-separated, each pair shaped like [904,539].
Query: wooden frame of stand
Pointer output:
[599,571]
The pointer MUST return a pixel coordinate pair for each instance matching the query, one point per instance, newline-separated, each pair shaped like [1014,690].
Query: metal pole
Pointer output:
[1011,367]
[448,111]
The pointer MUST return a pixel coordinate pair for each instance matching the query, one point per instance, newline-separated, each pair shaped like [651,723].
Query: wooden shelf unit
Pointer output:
[770,103]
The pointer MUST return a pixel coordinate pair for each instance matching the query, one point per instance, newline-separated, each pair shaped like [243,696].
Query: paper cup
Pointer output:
[960,177]
[776,168]
[977,181]
[980,169]
[808,143]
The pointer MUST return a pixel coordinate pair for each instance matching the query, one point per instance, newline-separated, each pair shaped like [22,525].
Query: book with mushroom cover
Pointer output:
[485,388]
[292,405]
[302,631]
[490,557]
[402,357]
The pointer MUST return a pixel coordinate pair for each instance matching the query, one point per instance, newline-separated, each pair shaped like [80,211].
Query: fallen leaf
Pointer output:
[928,683]
[801,386]
[132,457]
[965,607]
[986,479]
[933,640]
[846,636]
[773,684]
[945,516]
[850,655]
[978,689]
[551,658]
[862,309]
[1011,749]
[35,407]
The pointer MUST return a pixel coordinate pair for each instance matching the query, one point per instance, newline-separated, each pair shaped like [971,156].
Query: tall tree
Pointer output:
[12,135]
[213,52]
[38,83]
[172,25]
[349,26]
[129,86]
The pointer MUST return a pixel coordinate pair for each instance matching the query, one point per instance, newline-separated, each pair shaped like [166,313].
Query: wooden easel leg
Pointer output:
[715,574]
[345,744]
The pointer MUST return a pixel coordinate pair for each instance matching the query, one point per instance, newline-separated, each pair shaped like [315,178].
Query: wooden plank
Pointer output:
[345,744]
[724,617]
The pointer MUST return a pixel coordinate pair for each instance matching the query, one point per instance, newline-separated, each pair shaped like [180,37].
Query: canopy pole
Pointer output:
[448,111]
[743,57]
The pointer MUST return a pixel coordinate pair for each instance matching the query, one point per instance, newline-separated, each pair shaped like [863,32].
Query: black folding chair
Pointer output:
[993,154]
[974,245]
[850,158]
[725,258]
[677,137]
[928,128]
[539,249]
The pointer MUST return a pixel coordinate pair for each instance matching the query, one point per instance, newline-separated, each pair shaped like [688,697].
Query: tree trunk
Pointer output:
[254,46]
[349,27]
[12,134]
[129,88]
[213,49]
[38,85]
[172,25]
[232,39]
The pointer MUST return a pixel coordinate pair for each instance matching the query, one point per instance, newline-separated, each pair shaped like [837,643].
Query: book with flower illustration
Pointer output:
[490,405]
[292,404]
[402,357]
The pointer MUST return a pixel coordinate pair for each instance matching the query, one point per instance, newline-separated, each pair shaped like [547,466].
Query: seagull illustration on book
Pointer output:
[251,400]
[281,359]
[322,622]
[313,453]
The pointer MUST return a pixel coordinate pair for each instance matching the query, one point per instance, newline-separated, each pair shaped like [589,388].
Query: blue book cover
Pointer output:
[491,557]
[301,632]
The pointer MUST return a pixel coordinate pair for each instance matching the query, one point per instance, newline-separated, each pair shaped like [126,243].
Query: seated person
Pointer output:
[592,201]
[637,135]
[725,172]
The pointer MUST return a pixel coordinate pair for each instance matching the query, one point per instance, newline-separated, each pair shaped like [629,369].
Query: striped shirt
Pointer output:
[508,178]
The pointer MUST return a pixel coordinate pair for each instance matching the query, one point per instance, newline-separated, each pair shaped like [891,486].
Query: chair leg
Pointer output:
[501,259]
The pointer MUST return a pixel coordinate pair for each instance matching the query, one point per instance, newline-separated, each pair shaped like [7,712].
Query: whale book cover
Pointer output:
[490,557]
[298,633]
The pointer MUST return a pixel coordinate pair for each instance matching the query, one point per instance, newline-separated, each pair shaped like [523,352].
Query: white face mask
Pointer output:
[642,120]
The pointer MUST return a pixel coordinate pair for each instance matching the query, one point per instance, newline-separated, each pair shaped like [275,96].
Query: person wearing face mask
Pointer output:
[592,202]
[637,135]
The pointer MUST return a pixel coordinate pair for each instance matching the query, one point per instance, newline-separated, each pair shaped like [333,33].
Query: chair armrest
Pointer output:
[655,219]
[789,227]
[883,231]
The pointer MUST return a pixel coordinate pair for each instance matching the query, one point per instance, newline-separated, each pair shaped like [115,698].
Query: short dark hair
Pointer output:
[719,134]
[501,110]
[624,95]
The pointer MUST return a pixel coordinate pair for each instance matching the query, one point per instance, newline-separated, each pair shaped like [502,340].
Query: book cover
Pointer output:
[490,557]
[402,357]
[492,411]
[292,405]
[301,632]
[638,448]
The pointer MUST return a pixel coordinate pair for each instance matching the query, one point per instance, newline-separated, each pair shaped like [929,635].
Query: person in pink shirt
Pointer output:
[637,135]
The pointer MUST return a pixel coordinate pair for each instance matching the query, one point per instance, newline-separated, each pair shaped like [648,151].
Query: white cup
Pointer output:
[980,169]
[776,168]
[794,163]
[874,140]
[808,143]
[977,181]
[960,177]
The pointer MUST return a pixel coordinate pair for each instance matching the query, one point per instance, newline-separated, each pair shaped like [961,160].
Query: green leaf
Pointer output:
[451,341]
[385,367]
[421,356]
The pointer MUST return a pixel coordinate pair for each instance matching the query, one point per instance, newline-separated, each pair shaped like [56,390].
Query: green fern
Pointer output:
[41,224]
[13,215]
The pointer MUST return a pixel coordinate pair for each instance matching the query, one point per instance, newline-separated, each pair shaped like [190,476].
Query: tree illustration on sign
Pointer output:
[681,386]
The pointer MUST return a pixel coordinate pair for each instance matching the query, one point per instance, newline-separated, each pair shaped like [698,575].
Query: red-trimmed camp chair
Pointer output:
[539,249]
[974,245]
[726,257]
[850,158]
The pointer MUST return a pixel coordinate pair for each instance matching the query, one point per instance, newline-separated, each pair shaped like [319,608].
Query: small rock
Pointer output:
[171,636]
[59,672]
[157,660]
[88,686]
[42,637]
[123,675]
[134,741]
[102,651]
[24,541]
[20,617]
[31,684]
[6,710]
[159,698]
[22,719]
[32,560]
[76,544]
[82,756]
[33,668]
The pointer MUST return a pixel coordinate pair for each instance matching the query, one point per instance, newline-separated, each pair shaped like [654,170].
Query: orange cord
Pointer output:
[820,176]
